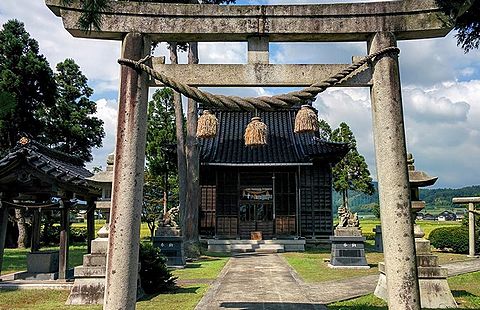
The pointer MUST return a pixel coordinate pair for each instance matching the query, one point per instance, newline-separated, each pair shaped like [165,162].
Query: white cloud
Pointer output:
[441,87]
[106,111]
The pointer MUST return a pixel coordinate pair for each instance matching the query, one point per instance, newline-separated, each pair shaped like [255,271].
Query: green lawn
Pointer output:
[16,259]
[185,297]
[465,289]
[367,225]
[312,267]
[144,231]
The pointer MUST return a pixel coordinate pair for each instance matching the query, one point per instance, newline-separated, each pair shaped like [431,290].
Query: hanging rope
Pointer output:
[263,103]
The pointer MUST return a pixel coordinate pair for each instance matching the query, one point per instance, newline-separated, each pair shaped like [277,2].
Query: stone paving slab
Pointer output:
[257,281]
[266,281]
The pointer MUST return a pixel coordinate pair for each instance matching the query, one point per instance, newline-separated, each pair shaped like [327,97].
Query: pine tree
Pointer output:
[160,177]
[351,173]
[467,22]
[70,124]
[27,86]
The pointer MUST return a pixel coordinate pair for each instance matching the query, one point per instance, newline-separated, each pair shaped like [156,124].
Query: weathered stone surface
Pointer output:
[124,235]
[173,249]
[348,251]
[394,192]
[42,262]
[87,291]
[95,260]
[320,22]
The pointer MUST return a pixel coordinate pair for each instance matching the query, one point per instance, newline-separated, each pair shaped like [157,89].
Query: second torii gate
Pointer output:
[378,24]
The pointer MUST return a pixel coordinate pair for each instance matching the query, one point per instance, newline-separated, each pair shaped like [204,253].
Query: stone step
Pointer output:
[87,272]
[90,260]
[99,246]
[427,260]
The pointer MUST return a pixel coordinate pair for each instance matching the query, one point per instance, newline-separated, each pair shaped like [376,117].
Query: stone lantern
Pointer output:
[434,290]
[89,285]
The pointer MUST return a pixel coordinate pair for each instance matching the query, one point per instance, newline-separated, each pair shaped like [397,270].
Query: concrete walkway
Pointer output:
[266,281]
[257,281]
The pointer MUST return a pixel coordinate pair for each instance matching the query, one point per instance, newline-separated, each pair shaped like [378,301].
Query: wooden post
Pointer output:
[90,224]
[63,251]
[3,232]
[391,157]
[36,225]
[471,230]
[193,164]
[127,194]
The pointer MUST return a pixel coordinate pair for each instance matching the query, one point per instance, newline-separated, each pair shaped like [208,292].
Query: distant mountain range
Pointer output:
[436,199]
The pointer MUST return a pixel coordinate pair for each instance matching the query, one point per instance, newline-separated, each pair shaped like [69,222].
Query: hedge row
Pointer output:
[453,239]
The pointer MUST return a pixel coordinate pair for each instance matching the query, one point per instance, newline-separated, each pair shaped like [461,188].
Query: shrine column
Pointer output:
[390,154]
[3,231]
[471,230]
[124,236]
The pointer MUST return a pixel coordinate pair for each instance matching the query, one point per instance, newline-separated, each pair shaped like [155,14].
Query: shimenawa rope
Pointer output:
[251,103]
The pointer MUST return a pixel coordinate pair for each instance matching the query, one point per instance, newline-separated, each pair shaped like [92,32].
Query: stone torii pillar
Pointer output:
[391,157]
[127,191]
[375,22]
[471,201]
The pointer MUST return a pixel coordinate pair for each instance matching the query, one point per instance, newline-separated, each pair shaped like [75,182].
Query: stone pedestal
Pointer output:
[348,250]
[41,265]
[378,238]
[170,242]
[89,285]
[434,290]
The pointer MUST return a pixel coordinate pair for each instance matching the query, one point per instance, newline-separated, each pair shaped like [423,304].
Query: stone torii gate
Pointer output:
[471,201]
[380,25]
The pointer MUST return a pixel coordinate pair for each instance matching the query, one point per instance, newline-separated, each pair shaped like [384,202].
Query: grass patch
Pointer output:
[184,297]
[465,289]
[368,302]
[312,267]
[16,259]
[367,225]
[207,267]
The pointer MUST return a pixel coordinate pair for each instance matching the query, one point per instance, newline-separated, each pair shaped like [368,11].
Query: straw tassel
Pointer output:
[207,125]
[256,132]
[306,120]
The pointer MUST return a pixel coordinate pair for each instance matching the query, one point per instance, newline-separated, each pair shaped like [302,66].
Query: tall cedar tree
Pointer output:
[467,23]
[160,153]
[71,126]
[27,86]
[351,173]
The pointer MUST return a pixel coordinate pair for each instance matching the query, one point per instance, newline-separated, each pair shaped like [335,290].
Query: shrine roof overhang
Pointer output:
[283,148]
[339,22]
[31,167]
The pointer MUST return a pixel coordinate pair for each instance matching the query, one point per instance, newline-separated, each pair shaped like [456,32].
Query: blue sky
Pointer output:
[441,88]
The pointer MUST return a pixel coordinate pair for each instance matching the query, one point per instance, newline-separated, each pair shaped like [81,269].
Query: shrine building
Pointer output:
[282,189]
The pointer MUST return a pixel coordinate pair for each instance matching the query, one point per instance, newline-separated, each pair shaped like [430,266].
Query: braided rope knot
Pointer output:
[264,103]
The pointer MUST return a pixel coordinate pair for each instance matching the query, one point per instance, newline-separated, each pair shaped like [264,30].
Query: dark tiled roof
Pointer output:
[283,145]
[62,167]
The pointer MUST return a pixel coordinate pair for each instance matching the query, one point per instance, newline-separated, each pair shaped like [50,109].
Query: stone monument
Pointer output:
[168,238]
[348,244]
[434,290]
[89,285]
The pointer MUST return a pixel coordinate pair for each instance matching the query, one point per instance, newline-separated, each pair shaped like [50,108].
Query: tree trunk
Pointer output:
[22,228]
[193,161]
[181,160]
[165,194]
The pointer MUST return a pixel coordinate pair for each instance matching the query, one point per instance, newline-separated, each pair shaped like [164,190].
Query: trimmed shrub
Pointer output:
[451,238]
[369,235]
[154,274]
[78,234]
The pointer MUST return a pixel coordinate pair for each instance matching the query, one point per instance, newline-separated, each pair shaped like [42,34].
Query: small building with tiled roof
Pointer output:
[282,189]
[39,179]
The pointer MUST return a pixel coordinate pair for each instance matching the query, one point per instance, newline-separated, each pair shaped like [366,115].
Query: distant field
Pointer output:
[368,225]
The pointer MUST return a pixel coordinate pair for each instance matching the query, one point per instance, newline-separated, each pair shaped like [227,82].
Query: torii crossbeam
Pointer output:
[379,24]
